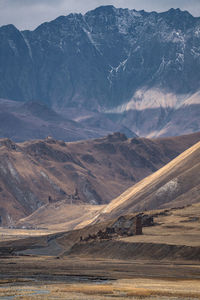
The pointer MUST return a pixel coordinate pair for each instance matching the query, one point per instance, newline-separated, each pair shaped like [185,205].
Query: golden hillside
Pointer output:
[174,185]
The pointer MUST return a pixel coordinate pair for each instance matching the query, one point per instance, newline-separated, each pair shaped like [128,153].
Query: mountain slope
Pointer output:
[21,121]
[109,46]
[60,216]
[154,113]
[176,184]
[91,172]
[144,66]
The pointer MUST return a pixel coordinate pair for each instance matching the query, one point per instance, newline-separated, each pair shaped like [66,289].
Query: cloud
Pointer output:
[28,14]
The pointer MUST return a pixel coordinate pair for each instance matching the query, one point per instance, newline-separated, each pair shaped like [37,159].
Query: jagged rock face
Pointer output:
[100,59]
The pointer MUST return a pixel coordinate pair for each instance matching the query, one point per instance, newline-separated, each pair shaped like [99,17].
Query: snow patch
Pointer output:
[89,35]
[122,65]
[126,19]
[28,46]
[114,70]
[174,37]
[197,32]
[195,52]
[13,47]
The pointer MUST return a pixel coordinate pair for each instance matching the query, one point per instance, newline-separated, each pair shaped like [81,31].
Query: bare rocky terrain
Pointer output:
[43,172]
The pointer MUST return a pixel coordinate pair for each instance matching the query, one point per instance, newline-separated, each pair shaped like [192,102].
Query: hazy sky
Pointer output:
[28,14]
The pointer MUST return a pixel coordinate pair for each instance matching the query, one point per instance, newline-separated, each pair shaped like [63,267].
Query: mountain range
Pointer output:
[110,68]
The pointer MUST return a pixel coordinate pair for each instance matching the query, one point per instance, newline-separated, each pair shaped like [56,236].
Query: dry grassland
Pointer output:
[150,181]
[7,234]
[177,227]
[121,289]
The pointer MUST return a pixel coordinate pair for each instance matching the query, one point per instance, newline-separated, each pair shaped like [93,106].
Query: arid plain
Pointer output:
[154,265]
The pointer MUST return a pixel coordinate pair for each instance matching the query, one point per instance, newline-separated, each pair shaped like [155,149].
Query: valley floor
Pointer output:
[161,264]
[33,277]
[7,234]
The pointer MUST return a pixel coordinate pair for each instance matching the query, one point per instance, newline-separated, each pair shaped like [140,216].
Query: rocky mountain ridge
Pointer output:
[108,46]
[123,64]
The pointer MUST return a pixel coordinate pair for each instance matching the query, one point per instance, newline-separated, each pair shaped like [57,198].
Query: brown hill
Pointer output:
[37,172]
[174,185]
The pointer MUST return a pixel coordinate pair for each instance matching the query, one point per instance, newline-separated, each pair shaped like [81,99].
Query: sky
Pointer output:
[28,14]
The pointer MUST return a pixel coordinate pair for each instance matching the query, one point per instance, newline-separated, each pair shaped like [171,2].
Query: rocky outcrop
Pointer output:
[123,226]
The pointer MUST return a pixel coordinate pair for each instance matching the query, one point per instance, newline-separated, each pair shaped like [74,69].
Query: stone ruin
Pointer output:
[147,220]
[74,196]
[122,227]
